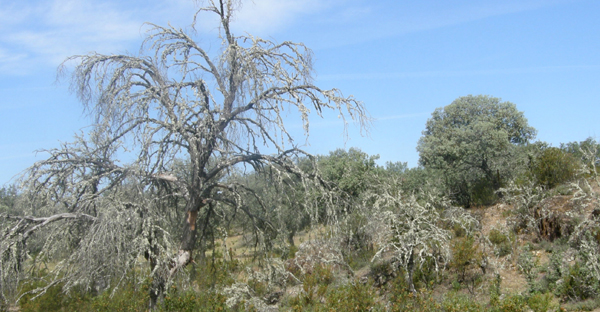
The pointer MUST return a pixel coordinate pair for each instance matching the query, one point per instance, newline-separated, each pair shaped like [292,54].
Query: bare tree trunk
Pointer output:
[291,237]
[165,271]
[411,269]
[157,289]
[158,284]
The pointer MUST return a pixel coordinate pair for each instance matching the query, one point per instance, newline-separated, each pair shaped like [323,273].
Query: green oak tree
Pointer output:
[473,143]
[350,170]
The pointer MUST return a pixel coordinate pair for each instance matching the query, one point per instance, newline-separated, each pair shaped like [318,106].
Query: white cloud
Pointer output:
[266,17]
[43,33]
[40,33]
[46,32]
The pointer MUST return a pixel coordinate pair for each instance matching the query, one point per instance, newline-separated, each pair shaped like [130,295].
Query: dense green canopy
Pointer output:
[472,142]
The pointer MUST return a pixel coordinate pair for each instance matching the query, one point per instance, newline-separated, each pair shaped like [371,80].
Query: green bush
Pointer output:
[352,297]
[408,301]
[553,167]
[454,302]
[494,288]
[541,302]
[578,283]
[53,300]
[191,301]
[497,237]
[587,151]
[527,264]
[512,303]
[458,230]
[465,255]
[216,271]
[425,275]
[586,305]
[314,287]
[501,242]
[129,297]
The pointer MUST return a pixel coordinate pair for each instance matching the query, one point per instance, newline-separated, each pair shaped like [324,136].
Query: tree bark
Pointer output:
[411,268]
[164,272]
[291,237]
[157,289]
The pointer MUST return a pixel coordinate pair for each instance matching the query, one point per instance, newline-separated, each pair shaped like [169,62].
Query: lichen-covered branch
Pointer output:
[170,127]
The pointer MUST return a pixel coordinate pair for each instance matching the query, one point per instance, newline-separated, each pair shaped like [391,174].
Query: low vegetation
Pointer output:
[537,248]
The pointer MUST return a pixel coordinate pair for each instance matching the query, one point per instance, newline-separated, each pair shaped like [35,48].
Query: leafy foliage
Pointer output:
[466,257]
[501,241]
[553,167]
[472,143]
[587,151]
[353,296]
[351,171]
[8,199]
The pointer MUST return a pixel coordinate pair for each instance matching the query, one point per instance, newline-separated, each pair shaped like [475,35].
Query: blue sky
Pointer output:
[403,59]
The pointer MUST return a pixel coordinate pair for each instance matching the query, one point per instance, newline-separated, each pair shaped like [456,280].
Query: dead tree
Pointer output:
[174,101]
